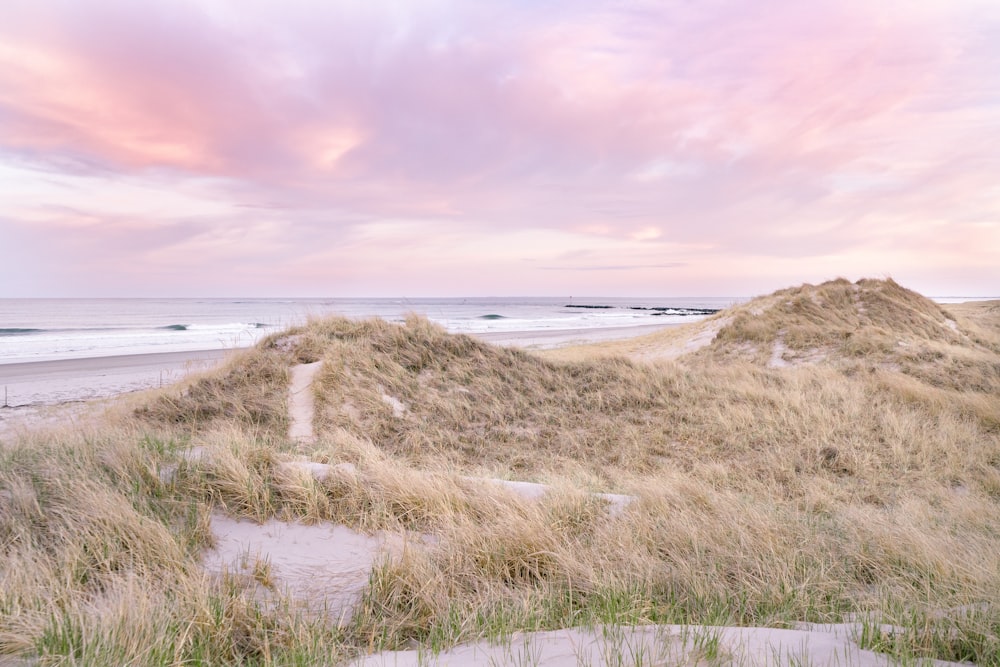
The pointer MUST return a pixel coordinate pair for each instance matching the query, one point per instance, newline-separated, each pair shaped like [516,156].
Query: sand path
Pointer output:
[302,402]
[820,645]
[698,336]
[323,568]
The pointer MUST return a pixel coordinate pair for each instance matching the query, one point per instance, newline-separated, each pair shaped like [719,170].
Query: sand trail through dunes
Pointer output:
[323,568]
[666,344]
[700,336]
[302,403]
[657,645]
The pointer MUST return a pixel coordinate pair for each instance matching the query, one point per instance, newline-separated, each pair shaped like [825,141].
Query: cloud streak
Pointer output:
[827,138]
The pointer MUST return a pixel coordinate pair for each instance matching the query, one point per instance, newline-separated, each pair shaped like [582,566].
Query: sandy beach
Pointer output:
[37,393]
[64,380]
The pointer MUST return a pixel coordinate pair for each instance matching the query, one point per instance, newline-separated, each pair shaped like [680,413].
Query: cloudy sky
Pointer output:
[497,147]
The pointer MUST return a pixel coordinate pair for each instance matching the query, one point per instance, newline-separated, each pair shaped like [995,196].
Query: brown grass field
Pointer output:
[832,454]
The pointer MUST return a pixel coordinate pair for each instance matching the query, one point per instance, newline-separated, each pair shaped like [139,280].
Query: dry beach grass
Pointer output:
[823,454]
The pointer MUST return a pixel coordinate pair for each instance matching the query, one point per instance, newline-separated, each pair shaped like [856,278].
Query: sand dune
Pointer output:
[826,453]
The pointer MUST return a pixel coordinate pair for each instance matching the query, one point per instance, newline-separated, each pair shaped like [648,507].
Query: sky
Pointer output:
[497,147]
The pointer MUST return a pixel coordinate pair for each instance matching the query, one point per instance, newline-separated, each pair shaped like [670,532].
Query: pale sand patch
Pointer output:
[168,471]
[657,645]
[781,358]
[663,345]
[398,408]
[318,471]
[302,402]
[701,337]
[288,343]
[322,568]
[778,350]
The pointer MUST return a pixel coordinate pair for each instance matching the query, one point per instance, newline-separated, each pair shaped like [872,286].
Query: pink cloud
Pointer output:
[775,128]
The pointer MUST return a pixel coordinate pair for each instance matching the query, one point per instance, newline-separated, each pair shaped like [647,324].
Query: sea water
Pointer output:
[51,329]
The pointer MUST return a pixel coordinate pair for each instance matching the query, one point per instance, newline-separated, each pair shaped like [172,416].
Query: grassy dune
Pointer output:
[832,454]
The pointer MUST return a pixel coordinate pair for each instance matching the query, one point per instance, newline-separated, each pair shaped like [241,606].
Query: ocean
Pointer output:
[53,329]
